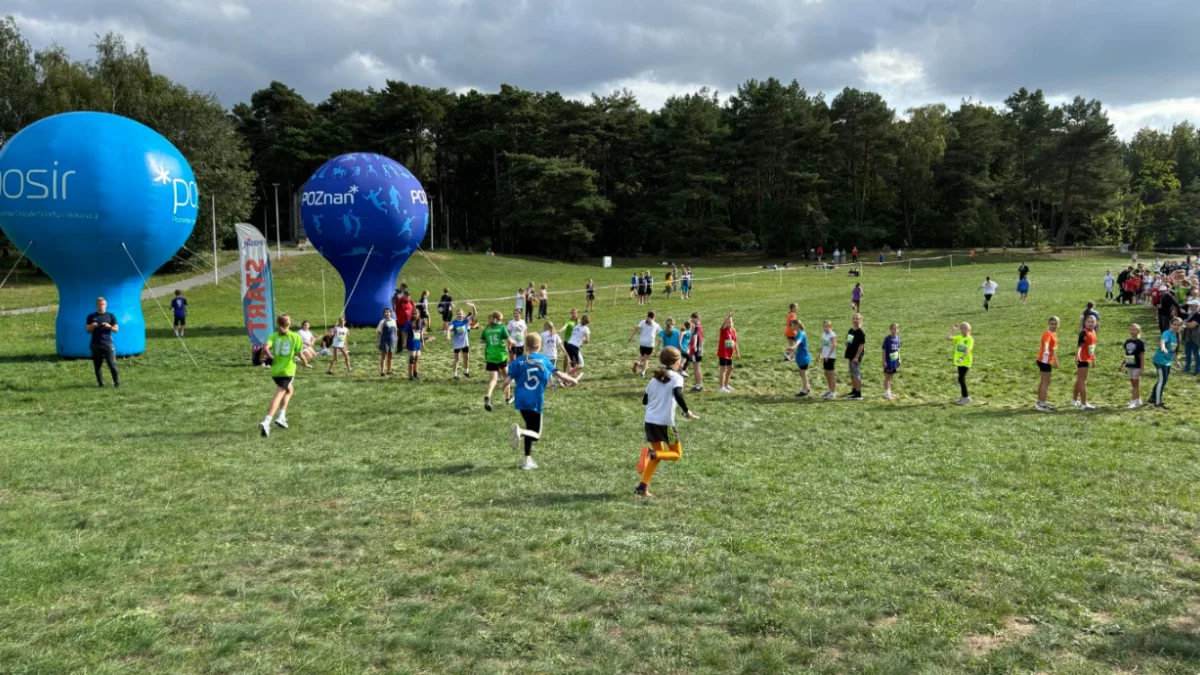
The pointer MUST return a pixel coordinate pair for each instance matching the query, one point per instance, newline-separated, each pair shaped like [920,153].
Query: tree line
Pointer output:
[771,167]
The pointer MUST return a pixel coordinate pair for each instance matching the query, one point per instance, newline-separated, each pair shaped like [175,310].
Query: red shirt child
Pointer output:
[728,341]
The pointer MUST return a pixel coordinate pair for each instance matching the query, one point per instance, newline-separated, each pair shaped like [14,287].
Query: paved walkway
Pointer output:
[229,270]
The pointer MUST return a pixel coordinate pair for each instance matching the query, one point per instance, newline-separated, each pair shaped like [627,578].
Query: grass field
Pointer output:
[150,529]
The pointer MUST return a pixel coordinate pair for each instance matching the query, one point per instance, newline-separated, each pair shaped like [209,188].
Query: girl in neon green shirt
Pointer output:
[964,355]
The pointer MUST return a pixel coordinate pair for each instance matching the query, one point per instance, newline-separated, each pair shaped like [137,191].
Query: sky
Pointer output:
[1139,57]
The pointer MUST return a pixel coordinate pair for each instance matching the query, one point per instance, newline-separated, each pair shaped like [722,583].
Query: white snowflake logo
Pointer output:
[353,189]
[161,174]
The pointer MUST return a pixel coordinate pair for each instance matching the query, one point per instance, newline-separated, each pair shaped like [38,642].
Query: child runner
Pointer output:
[670,336]
[829,359]
[531,372]
[423,308]
[647,330]
[633,286]
[416,340]
[1090,312]
[1164,357]
[1108,285]
[179,304]
[1047,361]
[307,342]
[551,343]
[340,335]
[495,340]
[591,295]
[891,360]
[520,306]
[669,285]
[446,308]
[856,296]
[989,289]
[580,336]
[516,335]
[663,393]
[727,351]
[696,347]
[1023,289]
[856,344]
[789,330]
[385,339]
[1085,357]
[543,302]
[282,347]
[1134,364]
[459,332]
[685,342]
[800,355]
[530,298]
[964,355]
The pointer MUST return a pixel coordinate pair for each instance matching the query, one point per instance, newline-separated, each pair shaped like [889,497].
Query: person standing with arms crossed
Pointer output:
[856,343]
[102,324]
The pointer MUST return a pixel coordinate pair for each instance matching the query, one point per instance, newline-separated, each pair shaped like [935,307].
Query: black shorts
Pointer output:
[496,367]
[661,433]
[181,321]
[1044,367]
[463,350]
[283,382]
[802,367]
[1082,364]
[698,357]
[722,361]
[591,295]
[447,317]
[829,364]
[516,351]
[645,351]
[572,354]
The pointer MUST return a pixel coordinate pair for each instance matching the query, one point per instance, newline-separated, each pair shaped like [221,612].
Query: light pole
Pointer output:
[278,238]
[432,247]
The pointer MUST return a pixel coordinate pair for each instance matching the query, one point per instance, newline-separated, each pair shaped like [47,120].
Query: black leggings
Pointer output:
[100,356]
[541,309]
[533,422]
[962,379]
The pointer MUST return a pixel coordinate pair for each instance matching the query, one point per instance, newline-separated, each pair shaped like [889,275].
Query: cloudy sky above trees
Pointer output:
[1139,58]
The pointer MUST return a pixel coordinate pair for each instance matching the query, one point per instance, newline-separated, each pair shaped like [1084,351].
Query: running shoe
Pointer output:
[514,437]
[265,429]
[1087,406]
[281,422]
[529,464]
[487,403]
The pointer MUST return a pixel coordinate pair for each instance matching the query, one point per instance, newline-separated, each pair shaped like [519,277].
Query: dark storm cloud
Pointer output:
[1122,52]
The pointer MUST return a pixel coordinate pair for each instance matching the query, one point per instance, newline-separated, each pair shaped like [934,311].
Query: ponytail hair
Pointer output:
[668,357]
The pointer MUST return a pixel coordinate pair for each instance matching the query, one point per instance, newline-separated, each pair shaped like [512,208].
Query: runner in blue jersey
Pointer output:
[531,372]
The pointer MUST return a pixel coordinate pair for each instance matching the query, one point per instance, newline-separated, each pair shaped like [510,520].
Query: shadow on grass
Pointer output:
[392,472]
[194,332]
[1159,641]
[34,358]
[184,435]
[551,499]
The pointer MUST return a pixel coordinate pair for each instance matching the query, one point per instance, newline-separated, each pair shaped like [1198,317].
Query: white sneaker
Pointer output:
[281,422]
[966,400]
[529,464]
[1074,403]
[264,428]
[829,396]
[514,437]
[1087,406]
[1133,404]
[728,389]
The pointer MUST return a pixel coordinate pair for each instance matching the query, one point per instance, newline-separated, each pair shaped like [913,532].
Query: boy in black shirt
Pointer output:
[1135,358]
[102,324]
[856,342]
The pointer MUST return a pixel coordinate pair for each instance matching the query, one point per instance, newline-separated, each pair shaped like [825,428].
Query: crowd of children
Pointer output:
[523,362]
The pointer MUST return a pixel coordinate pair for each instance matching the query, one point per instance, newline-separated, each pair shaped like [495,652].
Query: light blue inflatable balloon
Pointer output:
[84,187]
[365,213]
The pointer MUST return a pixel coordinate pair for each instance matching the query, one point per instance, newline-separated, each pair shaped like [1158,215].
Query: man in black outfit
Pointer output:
[102,324]
[1022,271]
[1167,308]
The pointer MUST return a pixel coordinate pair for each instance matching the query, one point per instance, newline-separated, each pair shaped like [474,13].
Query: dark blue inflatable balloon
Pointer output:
[365,208]
[84,187]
